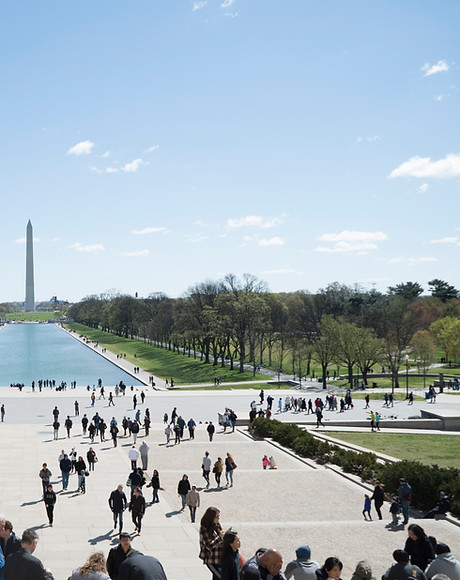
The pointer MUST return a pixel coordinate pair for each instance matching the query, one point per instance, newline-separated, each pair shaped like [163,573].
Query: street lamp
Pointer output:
[407,376]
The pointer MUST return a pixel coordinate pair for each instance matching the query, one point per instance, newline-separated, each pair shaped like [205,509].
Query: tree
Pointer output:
[407,290]
[326,345]
[424,348]
[442,290]
[446,334]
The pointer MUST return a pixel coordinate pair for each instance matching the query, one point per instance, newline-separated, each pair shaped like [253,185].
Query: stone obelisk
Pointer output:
[30,289]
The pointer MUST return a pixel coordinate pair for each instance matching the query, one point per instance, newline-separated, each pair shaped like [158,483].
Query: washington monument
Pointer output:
[30,290]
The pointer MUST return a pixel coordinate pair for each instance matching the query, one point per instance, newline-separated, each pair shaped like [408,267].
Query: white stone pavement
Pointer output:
[296,504]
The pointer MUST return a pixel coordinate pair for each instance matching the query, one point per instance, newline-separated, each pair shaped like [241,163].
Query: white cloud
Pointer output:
[374,138]
[351,242]
[91,248]
[359,139]
[227,3]
[276,241]
[82,148]
[423,188]
[195,238]
[23,240]
[152,148]
[412,261]
[254,221]
[148,230]
[440,66]
[133,166]
[231,14]
[424,167]
[198,5]
[138,253]
[107,154]
[279,271]
[111,170]
[451,240]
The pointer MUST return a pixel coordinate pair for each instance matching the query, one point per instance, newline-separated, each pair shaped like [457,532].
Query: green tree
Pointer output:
[407,290]
[446,334]
[325,345]
[442,290]
[424,349]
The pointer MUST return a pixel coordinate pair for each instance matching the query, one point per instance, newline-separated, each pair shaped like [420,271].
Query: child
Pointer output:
[265,462]
[394,511]
[367,507]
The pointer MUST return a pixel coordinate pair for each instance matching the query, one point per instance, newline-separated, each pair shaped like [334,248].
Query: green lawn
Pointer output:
[428,449]
[33,316]
[163,363]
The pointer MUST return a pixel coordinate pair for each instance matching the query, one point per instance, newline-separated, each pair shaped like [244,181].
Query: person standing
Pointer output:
[168,433]
[137,509]
[56,426]
[45,475]
[118,503]
[144,453]
[193,502]
[404,496]
[2,412]
[191,425]
[114,433]
[22,564]
[211,535]
[206,466]
[134,430]
[77,408]
[230,556]
[211,430]
[80,468]
[50,500]
[118,555]
[84,424]
[66,467]
[68,425]
[91,457]
[183,488]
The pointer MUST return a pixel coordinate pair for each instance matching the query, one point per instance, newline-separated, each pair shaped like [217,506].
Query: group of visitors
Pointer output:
[422,558]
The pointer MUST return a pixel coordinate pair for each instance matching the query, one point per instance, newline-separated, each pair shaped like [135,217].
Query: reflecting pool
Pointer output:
[30,352]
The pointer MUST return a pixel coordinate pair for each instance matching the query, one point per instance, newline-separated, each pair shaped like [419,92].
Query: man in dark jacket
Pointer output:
[118,555]
[403,570]
[260,566]
[9,543]
[118,503]
[22,565]
[66,467]
[50,499]
[140,567]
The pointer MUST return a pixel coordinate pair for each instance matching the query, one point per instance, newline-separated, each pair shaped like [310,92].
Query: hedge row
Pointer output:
[426,481]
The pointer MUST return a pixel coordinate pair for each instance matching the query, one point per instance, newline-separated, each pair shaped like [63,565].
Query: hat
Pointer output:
[363,571]
[303,552]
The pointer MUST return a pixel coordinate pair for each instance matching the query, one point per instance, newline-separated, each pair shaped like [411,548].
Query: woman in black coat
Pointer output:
[377,496]
[183,488]
[419,547]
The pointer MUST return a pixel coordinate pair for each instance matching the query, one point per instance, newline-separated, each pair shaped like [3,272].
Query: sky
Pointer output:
[155,144]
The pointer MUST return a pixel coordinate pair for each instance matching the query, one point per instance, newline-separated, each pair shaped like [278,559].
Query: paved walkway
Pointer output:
[298,503]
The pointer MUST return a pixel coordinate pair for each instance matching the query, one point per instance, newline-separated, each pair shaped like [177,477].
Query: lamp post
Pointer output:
[407,376]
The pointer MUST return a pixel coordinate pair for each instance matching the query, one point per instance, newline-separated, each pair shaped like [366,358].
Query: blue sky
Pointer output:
[155,144]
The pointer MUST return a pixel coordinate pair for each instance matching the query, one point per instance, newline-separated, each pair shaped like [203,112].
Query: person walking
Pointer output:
[367,507]
[230,466]
[2,412]
[118,503]
[183,488]
[206,467]
[45,475]
[404,496]
[155,485]
[80,468]
[144,453]
[114,434]
[133,455]
[211,535]
[217,470]
[379,497]
[193,502]
[211,430]
[50,500]
[118,555]
[66,467]
[56,426]
[137,509]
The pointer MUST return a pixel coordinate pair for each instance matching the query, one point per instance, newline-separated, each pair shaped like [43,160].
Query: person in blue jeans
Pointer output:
[66,467]
[118,503]
[229,467]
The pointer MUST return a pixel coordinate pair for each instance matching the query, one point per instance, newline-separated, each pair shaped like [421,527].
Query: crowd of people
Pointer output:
[422,558]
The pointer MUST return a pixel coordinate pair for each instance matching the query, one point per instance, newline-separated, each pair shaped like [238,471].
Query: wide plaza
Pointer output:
[299,503]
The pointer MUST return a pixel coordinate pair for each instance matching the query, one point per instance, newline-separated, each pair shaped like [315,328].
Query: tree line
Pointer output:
[239,321]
